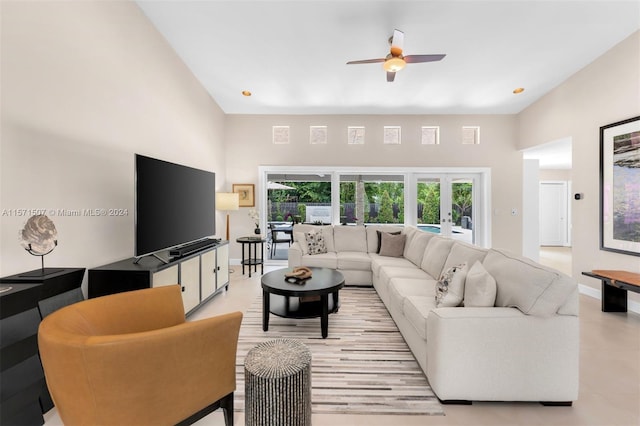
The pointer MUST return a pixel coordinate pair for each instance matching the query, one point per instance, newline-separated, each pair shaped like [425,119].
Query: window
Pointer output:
[470,135]
[317,135]
[430,135]
[355,135]
[298,197]
[371,198]
[391,135]
[280,135]
[454,201]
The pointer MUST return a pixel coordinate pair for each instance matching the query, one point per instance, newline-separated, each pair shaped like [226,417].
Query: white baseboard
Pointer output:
[632,305]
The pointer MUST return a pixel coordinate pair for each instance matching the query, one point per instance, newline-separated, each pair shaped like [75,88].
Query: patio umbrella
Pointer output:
[276,185]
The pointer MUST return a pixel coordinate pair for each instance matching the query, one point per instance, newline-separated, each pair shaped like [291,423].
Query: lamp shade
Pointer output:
[227,201]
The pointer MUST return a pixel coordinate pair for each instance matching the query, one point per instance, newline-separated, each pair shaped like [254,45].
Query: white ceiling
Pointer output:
[292,54]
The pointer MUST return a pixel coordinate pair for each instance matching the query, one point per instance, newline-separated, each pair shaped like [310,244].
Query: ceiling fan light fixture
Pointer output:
[394,64]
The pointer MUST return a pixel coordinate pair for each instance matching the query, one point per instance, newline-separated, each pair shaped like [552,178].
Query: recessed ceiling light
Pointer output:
[246,93]
[518,90]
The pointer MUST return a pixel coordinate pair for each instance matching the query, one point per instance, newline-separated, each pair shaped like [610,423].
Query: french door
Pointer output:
[453,202]
[445,204]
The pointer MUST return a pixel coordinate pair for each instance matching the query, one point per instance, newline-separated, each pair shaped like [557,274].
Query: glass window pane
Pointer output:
[430,135]
[290,196]
[470,135]
[428,205]
[462,209]
[371,199]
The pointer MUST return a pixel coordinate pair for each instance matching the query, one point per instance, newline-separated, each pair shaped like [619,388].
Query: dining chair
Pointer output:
[276,238]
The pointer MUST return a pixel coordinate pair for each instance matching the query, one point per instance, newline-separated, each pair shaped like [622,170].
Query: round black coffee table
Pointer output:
[307,300]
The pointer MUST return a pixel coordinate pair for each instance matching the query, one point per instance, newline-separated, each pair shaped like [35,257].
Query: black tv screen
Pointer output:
[174,205]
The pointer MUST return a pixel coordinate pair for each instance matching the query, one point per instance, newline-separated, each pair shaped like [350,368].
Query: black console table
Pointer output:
[31,297]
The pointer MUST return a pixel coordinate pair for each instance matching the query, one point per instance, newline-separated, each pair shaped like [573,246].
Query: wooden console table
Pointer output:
[614,287]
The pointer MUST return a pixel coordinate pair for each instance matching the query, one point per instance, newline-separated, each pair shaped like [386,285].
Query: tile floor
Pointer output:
[609,371]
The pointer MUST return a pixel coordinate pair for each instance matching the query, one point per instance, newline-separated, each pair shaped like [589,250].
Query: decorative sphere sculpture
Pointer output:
[39,235]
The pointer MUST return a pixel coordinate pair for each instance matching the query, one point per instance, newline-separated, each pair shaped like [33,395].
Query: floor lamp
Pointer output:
[227,201]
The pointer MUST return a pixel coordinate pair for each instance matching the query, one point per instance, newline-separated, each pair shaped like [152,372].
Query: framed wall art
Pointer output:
[246,193]
[620,187]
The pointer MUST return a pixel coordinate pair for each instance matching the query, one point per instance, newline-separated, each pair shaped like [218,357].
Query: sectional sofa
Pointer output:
[483,324]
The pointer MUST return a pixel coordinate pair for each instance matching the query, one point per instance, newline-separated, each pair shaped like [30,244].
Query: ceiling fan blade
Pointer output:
[412,59]
[366,61]
[397,43]
[390,76]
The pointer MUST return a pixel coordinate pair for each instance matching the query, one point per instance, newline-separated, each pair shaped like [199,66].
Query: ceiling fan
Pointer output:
[395,61]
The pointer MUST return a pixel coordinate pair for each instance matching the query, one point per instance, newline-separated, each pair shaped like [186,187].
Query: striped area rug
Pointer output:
[364,366]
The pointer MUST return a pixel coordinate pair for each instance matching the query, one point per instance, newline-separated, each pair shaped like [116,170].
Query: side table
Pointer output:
[277,377]
[252,258]
[615,284]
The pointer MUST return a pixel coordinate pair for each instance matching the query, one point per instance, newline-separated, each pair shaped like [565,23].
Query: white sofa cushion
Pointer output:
[410,232]
[378,261]
[327,233]
[324,260]
[415,247]
[401,288]
[301,239]
[389,272]
[353,260]
[528,286]
[479,287]
[435,255]
[450,286]
[350,238]
[463,252]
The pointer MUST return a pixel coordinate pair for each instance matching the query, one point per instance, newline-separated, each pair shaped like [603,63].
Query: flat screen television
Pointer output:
[174,205]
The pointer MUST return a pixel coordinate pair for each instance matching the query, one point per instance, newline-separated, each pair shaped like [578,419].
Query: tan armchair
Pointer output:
[132,359]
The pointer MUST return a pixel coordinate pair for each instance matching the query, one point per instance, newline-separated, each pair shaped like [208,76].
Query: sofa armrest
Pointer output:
[295,254]
[501,354]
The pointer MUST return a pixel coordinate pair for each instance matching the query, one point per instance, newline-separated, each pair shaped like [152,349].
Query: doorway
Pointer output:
[445,205]
[554,213]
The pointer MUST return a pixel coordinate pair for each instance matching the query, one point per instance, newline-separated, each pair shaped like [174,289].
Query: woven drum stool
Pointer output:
[277,381]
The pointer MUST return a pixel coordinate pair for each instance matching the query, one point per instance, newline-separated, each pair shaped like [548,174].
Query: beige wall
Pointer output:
[604,92]
[549,174]
[249,145]
[85,85]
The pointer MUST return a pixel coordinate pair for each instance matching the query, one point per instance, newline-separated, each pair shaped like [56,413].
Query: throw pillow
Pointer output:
[299,236]
[315,242]
[380,238]
[392,245]
[450,286]
[480,287]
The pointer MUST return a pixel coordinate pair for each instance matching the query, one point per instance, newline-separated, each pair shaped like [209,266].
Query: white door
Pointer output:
[446,202]
[553,213]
